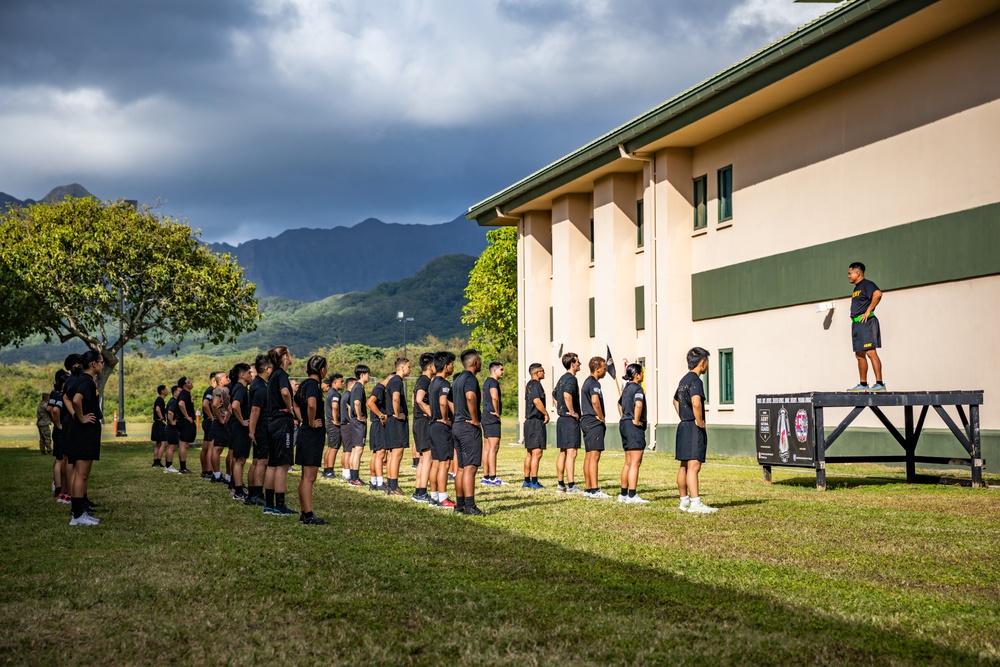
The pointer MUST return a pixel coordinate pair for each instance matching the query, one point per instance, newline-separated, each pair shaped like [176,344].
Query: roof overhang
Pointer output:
[844,42]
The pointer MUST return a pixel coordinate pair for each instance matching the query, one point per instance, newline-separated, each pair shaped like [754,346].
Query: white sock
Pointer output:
[685,499]
[443,496]
[696,499]
[217,475]
[434,495]
[345,473]
[229,477]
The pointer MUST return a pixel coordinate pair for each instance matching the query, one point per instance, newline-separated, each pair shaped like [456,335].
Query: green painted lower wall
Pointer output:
[950,247]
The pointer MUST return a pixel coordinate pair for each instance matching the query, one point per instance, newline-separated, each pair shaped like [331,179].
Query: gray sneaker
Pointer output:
[575,490]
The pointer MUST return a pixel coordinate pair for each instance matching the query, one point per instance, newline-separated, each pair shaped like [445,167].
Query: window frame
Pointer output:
[700,206]
[727,376]
[725,198]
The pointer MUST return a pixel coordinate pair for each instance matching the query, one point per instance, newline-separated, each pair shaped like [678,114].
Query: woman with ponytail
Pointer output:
[632,426]
[239,425]
[86,447]
[280,427]
[312,436]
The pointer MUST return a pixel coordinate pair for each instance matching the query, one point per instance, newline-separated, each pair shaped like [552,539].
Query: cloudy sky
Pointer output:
[253,116]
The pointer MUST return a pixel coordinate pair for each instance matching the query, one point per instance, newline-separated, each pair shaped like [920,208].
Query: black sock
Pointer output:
[58,490]
[279,500]
[571,484]
[77,505]
[422,491]
[416,461]
[238,489]
[631,493]
[470,501]
[269,497]
[356,475]
[864,384]
[562,483]
[527,479]
[307,515]
[393,484]
[624,491]
[256,491]
[184,465]
[459,503]
[534,480]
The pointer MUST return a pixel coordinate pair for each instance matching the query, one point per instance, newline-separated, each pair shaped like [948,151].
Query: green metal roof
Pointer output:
[832,32]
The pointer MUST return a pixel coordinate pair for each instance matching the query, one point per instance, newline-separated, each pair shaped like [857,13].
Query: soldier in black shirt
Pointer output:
[439,431]
[692,439]
[467,432]
[491,424]
[334,384]
[239,425]
[421,422]
[86,447]
[312,436]
[186,429]
[376,436]
[632,426]
[535,419]
[258,431]
[567,398]
[592,422]
[280,426]
[358,421]
[170,431]
[866,334]
[397,425]
[157,434]
[208,425]
[345,431]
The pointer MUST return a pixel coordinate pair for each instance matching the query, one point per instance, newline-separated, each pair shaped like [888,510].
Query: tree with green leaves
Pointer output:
[492,292]
[82,269]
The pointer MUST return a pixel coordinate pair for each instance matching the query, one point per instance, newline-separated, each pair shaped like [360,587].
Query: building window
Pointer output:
[639,225]
[727,391]
[640,308]
[591,240]
[701,202]
[704,382]
[726,193]
[593,318]
[552,325]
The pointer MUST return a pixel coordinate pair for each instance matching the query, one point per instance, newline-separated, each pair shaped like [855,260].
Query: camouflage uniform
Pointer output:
[44,423]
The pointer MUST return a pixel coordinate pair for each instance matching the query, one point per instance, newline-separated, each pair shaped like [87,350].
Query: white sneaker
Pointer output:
[622,499]
[590,494]
[574,489]
[84,520]
[170,468]
[685,504]
[560,489]
[498,482]
[601,494]
[698,507]
[636,500]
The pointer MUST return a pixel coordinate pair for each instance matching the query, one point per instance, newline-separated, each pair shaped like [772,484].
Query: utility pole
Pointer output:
[120,425]
[401,316]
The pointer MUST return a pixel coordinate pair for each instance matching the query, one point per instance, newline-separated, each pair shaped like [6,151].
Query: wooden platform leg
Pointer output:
[977,452]
[820,450]
[910,446]
[767,474]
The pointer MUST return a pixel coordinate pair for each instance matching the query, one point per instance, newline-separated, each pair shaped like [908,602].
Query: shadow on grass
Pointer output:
[385,582]
[835,482]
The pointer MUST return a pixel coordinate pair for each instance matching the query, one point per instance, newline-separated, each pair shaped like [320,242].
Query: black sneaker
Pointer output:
[258,501]
[239,496]
[311,521]
[157,465]
[372,486]
[206,475]
[187,472]
[474,511]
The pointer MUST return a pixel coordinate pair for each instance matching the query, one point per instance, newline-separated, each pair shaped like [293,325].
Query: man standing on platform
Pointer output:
[866,334]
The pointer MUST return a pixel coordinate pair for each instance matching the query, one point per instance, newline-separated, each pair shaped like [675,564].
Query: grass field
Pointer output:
[872,572]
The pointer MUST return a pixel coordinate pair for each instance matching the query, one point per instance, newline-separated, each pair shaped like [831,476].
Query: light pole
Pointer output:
[120,426]
[401,316]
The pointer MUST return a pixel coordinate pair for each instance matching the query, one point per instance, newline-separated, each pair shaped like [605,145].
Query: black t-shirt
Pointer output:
[69,389]
[395,385]
[690,385]
[567,385]
[358,394]
[378,393]
[258,399]
[439,387]
[207,396]
[276,405]
[465,382]
[533,390]
[87,388]
[240,394]
[630,394]
[172,409]
[591,387]
[158,403]
[491,411]
[423,382]
[310,389]
[332,404]
[185,396]
[346,407]
[56,401]
[861,298]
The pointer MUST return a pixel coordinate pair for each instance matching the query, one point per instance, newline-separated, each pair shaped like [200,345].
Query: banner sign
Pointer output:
[785,433]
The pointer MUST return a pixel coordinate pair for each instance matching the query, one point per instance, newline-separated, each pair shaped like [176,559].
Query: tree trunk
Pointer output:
[110,363]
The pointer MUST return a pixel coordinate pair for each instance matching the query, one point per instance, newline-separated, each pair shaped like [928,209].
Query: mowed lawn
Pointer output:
[872,572]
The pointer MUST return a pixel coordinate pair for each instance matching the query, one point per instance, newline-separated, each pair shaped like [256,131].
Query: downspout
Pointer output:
[653,296]
[522,333]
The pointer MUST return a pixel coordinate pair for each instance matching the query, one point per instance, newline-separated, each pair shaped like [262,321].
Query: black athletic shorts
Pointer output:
[397,433]
[491,429]
[220,434]
[156,433]
[593,433]
[567,433]
[186,430]
[376,435]
[420,435]
[692,442]
[239,439]
[208,429]
[866,335]
[359,433]
[86,443]
[633,437]
[345,437]
[534,434]
[468,444]
[57,443]
[309,447]
[442,445]
[261,447]
[279,451]
[171,435]
[333,436]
